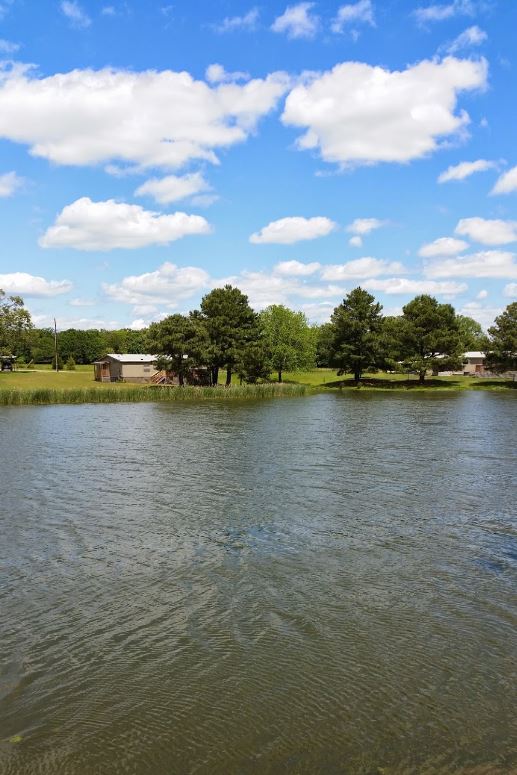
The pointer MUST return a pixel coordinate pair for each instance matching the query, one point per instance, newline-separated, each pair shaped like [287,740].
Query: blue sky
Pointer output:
[151,151]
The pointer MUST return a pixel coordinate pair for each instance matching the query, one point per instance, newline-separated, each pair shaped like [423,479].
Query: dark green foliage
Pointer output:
[254,363]
[357,324]
[429,336]
[501,345]
[181,341]
[231,325]
[324,336]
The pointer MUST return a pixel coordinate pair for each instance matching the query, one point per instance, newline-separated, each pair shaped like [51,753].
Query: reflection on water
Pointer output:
[317,585]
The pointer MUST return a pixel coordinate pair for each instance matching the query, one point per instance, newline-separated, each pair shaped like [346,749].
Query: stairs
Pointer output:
[159,378]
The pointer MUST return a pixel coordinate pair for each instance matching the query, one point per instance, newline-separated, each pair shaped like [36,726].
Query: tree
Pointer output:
[472,337]
[15,324]
[254,362]
[430,337]
[501,345]
[324,336]
[231,326]
[181,341]
[357,324]
[289,339]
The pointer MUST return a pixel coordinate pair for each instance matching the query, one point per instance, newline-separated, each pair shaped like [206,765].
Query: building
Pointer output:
[141,367]
[474,363]
[7,362]
[130,367]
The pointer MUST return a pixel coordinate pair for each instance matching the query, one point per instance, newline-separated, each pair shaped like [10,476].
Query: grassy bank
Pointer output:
[132,393]
[326,379]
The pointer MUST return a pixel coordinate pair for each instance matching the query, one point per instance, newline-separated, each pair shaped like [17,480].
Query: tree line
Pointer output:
[225,333]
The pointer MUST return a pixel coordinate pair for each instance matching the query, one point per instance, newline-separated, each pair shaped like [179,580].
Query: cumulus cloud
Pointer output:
[362,226]
[318,312]
[297,21]
[482,294]
[217,74]
[169,284]
[472,36]
[265,288]
[488,232]
[233,23]
[403,285]
[444,246]
[173,188]
[360,268]
[360,114]
[144,119]
[10,182]
[286,231]
[87,225]
[23,284]
[464,169]
[75,14]
[484,315]
[511,290]
[82,303]
[486,263]
[353,14]
[296,268]
[442,11]
[506,183]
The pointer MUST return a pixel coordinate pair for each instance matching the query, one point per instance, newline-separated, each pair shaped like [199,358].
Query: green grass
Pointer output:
[327,379]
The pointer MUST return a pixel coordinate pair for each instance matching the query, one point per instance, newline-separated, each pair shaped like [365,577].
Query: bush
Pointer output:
[70,364]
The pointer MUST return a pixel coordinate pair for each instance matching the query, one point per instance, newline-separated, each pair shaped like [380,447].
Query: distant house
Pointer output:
[7,362]
[136,367]
[130,367]
[473,363]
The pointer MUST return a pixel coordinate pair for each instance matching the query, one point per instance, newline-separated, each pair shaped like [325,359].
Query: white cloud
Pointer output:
[444,246]
[362,226]
[443,11]
[464,169]
[486,263]
[360,114]
[173,188]
[143,119]
[403,285]
[264,289]
[511,290]
[169,284]
[75,14]
[23,284]
[360,268]
[472,36]
[7,47]
[484,315]
[246,22]
[87,225]
[353,14]
[482,294]
[63,323]
[217,74]
[488,232]
[108,10]
[356,242]
[297,21]
[296,268]
[506,183]
[10,182]
[286,231]
[318,312]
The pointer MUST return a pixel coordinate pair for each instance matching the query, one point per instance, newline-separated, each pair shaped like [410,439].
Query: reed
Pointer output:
[130,394]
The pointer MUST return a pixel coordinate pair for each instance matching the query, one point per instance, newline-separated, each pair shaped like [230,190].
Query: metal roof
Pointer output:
[132,357]
[474,354]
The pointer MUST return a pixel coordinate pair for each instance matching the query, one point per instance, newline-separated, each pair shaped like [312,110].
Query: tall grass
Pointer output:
[109,395]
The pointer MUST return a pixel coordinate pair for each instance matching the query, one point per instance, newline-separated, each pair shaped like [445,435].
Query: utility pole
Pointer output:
[55,345]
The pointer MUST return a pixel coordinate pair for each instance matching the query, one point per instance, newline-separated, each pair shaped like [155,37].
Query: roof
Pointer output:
[474,354]
[132,357]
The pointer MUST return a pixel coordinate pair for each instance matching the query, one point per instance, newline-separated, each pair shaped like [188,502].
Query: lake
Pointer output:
[315,585]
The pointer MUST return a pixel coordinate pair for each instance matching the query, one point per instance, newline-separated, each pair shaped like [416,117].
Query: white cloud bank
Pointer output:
[297,21]
[403,285]
[488,232]
[87,225]
[168,284]
[361,268]
[506,183]
[286,231]
[360,114]
[162,119]
[465,169]
[498,264]
[23,284]
[510,290]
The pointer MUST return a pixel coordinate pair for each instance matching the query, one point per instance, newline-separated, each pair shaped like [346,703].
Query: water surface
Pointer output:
[315,585]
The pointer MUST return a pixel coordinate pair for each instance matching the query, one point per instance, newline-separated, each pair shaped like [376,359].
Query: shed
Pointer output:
[474,363]
[129,367]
